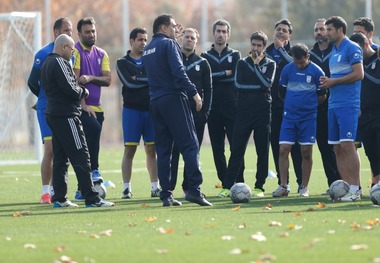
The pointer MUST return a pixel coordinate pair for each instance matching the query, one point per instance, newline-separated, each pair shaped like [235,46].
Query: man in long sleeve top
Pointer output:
[222,60]
[137,120]
[199,72]
[61,26]
[254,77]
[172,119]
[279,52]
[320,55]
[62,114]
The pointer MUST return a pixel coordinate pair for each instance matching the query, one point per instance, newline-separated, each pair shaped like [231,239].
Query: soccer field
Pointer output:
[292,229]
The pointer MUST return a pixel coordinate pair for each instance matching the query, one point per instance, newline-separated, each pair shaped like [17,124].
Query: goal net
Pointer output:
[20,38]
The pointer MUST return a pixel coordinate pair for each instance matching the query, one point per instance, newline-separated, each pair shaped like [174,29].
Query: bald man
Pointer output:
[62,114]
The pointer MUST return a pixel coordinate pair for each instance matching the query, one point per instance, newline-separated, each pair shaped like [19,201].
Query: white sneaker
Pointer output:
[281,191]
[67,203]
[351,196]
[304,192]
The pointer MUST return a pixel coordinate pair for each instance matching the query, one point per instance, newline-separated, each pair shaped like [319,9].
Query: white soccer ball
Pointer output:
[240,193]
[375,194]
[338,189]
[101,189]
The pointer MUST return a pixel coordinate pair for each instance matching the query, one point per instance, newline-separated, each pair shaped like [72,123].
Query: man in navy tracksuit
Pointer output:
[279,52]
[254,77]
[171,114]
[223,60]
[199,72]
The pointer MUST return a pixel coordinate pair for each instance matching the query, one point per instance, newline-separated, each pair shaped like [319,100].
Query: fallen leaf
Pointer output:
[331,231]
[294,227]
[218,185]
[258,237]
[8,238]
[287,211]
[236,251]
[107,232]
[31,246]
[81,231]
[151,219]
[228,238]
[144,205]
[321,205]
[132,224]
[310,209]
[187,233]
[284,234]
[242,226]
[168,221]
[165,231]
[373,222]
[359,247]
[59,248]
[340,221]
[65,259]
[94,236]
[162,251]
[355,226]
[23,213]
[367,227]
[236,208]
[275,223]
[267,258]
[297,214]
[376,260]
[131,214]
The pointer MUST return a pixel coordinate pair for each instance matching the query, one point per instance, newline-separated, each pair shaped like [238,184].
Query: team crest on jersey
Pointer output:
[308,79]
[264,69]
[373,66]
[197,67]
[349,134]
[38,61]
[229,59]
[312,139]
[99,61]
[356,55]
[339,58]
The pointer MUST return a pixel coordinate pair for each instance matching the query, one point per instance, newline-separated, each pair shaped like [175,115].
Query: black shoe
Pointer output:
[126,194]
[170,201]
[200,200]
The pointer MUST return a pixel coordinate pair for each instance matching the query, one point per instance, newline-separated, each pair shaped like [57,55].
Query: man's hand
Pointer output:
[228,72]
[258,58]
[198,102]
[88,109]
[84,79]
[278,42]
[326,82]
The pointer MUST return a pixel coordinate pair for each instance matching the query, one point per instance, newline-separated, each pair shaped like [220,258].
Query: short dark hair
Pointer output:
[337,22]
[299,50]
[365,22]
[190,29]
[163,19]
[260,35]
[284,22]
[136,31]
[359,38]
[59,22]
[221,22]
[85,21]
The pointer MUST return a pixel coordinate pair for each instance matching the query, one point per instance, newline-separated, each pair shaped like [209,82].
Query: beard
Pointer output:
[321,40]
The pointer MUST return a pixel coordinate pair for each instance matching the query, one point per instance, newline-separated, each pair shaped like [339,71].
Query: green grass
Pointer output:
[195,233]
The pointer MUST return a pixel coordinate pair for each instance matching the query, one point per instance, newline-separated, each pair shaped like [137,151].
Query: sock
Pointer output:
[45,189]
[127,185]
[154,185]
[354,188]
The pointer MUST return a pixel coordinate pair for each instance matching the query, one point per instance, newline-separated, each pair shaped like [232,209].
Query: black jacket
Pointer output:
[199,72]
[61,87]
[135,91]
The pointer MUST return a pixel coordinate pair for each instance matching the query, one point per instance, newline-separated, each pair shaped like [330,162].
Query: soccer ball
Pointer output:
[338,189]
[240,193]
[101,189]
[375,194]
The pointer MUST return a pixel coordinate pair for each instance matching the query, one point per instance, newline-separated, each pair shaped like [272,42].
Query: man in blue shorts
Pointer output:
[171,114]
[137,120]
[346,68]
[299,80]
[61,26]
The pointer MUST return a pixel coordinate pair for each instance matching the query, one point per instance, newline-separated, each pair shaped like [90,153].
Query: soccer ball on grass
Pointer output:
[338,189]
[240,193]
[375,194]
[101,189]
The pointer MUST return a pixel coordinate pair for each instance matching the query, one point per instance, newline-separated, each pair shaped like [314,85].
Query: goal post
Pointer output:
[20,39]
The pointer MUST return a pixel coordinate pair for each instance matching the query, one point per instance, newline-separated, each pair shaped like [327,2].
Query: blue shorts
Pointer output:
[44,127]
[343,124]
[303,130]
[136,124]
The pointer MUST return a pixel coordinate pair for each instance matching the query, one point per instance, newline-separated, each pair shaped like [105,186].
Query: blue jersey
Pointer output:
[39,60]
[341,60]
[301,100]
